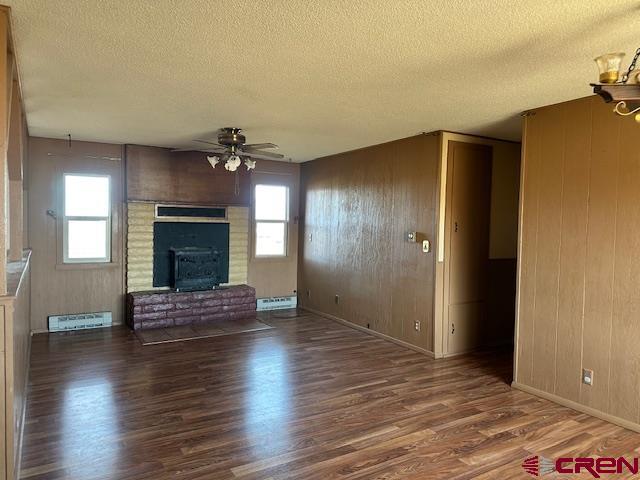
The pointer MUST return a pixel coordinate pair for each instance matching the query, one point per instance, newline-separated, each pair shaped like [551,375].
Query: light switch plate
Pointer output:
[426,246]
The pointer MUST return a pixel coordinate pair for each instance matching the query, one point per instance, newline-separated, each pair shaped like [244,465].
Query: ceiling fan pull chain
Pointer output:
[632,66]
[237,191]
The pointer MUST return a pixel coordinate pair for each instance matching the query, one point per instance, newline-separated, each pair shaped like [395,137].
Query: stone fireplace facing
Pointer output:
[174,262]
[141,218]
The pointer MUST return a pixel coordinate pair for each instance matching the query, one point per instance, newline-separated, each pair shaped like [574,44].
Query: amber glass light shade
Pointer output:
[609,66]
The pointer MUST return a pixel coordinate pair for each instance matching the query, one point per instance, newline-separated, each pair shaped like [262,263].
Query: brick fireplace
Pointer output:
[146,310]
[152,303]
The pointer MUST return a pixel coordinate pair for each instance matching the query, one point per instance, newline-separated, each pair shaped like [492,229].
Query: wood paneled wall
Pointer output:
[357,209]
[158,175]
[59,288]
[14,260]
[579,266]
[15,310]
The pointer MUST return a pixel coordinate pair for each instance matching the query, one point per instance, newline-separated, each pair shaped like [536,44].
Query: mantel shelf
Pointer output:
[617,92]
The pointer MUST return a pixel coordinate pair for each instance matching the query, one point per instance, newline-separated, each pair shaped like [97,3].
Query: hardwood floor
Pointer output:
[309,399]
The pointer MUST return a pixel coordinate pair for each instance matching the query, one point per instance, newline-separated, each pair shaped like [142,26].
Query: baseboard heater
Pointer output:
[277,303]
[79,321]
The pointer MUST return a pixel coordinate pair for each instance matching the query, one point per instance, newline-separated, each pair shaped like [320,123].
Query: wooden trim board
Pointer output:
[347,323]
[578,407]
[516,330]
[15,346]
[23,414]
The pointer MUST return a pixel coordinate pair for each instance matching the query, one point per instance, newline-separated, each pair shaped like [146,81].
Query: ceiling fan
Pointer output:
[232,150]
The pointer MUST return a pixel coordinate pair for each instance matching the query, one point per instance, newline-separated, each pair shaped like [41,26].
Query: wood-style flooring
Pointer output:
[309,399]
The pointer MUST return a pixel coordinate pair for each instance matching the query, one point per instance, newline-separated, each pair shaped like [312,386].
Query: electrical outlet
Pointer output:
[337,299]
[416,326]
[587,376]
[308,293]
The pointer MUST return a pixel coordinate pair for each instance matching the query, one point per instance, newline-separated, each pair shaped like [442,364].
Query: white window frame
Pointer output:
[66,219]
[285,222]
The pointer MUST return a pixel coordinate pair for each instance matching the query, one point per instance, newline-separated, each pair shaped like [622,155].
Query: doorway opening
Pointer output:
[478,261]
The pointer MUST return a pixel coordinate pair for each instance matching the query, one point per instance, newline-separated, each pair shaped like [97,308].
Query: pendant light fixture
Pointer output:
[614,87]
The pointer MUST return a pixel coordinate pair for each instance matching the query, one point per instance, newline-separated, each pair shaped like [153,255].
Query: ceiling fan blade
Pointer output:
[200,150]
[260,154]
[257,146]
[209,143]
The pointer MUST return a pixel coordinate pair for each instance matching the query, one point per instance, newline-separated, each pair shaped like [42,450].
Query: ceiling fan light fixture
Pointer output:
[251,164]
[232,163]
[213,160]
[231,150]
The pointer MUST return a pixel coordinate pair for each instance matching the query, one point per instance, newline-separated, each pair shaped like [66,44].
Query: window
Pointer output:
[272,218]
[87,219]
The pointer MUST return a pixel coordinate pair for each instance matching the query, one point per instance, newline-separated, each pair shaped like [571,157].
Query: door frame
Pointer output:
[449,230]
[440,316]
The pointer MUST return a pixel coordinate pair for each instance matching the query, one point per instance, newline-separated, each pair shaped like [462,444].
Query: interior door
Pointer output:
[469,167]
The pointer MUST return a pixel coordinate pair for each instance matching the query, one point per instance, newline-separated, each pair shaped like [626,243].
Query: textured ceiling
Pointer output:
[315,77]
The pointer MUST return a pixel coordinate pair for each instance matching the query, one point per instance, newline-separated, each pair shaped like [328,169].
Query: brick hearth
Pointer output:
[156,309]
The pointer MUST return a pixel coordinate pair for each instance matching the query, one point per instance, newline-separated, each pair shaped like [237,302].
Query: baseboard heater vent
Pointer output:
[277,303]
[79,321]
